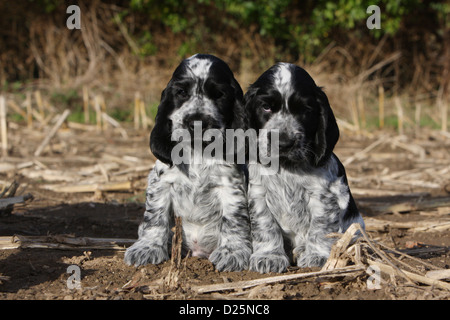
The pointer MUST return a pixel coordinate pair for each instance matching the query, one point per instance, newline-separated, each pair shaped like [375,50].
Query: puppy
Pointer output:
[292,210]
[209,195]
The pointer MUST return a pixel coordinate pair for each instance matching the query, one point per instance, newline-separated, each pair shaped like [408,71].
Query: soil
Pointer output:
[41,273]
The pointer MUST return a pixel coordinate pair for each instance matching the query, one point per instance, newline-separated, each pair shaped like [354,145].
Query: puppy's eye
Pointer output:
[182,93]
[215,94]
[267,107]
[218,94]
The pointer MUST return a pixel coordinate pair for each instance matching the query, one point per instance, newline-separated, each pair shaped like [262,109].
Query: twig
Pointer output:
[29,111]
[344,124]
[417,116]
[256,282]
[115,124]
[103,111]
[381,254]
[144,118]
[354,112]
[335,260]
[51,175]
[363,75]
[98,112]
[406,206]
[86,104]
[381,106]
[400,116]
[38,97]
[137,113]
[177,242]
[361,110]
[438,274]
[410,275]
[17,109]
[171,281]
[10,191]
[64,242]
[4,278]
[444,112]
[52,132]
[407,254]
[6,202]
[110,186]
[3,125]
[363,152]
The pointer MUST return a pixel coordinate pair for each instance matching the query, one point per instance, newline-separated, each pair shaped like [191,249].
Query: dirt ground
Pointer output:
[382,170]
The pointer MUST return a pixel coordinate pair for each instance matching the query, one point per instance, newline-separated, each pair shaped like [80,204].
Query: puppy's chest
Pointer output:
[295,199]
[197,196]
[290,193]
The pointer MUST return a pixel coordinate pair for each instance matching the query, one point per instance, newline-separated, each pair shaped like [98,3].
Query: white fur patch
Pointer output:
[199,67]
[283,80]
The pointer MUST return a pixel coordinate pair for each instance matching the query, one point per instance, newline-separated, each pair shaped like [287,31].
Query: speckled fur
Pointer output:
[210,197]
[292,211]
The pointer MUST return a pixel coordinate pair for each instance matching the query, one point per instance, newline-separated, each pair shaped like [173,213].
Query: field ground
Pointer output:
[401,184]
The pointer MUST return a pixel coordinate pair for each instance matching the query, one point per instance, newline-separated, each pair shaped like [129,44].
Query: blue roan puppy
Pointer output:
[292,210]
[210,196]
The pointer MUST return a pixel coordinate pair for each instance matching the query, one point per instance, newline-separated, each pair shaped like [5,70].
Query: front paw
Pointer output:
[226,259]
[311,260]
[142,253]
[264,263]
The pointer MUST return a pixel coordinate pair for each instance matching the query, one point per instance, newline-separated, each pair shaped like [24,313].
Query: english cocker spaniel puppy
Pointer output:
[202,100]
[292,210]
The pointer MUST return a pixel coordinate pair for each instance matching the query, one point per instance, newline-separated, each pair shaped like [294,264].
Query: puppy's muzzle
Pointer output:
[201,121]
[285,141]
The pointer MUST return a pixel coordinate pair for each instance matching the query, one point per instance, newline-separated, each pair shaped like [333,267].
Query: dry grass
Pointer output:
[361,80]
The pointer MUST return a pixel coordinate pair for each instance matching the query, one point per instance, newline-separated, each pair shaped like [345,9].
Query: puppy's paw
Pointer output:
[264,263]
[311,260]
[227,259]
[142,253]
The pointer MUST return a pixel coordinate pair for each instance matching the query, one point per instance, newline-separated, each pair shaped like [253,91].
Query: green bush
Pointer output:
[299,26]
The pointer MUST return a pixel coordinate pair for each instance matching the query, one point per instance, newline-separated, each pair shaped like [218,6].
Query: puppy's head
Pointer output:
[286,98]
[202,91]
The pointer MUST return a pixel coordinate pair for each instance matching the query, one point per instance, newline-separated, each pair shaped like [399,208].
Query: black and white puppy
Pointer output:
[210,196]
[292,210]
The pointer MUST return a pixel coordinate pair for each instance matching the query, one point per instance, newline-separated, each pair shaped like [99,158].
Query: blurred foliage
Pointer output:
[296,25]
[256,33]
[300,26]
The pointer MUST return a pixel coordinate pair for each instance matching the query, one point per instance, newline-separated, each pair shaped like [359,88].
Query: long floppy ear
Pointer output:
[248,97]
[161,144]
[327,133]
[239,119]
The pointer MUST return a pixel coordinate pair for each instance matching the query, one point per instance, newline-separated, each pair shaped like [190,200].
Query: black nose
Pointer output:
[285,141]
[197,119]
[286,144]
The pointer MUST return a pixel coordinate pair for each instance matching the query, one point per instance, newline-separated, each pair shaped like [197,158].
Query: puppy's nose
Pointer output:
[197,120]
[285,142]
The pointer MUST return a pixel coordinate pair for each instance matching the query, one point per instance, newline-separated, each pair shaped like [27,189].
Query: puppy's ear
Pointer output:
[239,118]
[248,97]
[161,144]
[327,133]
